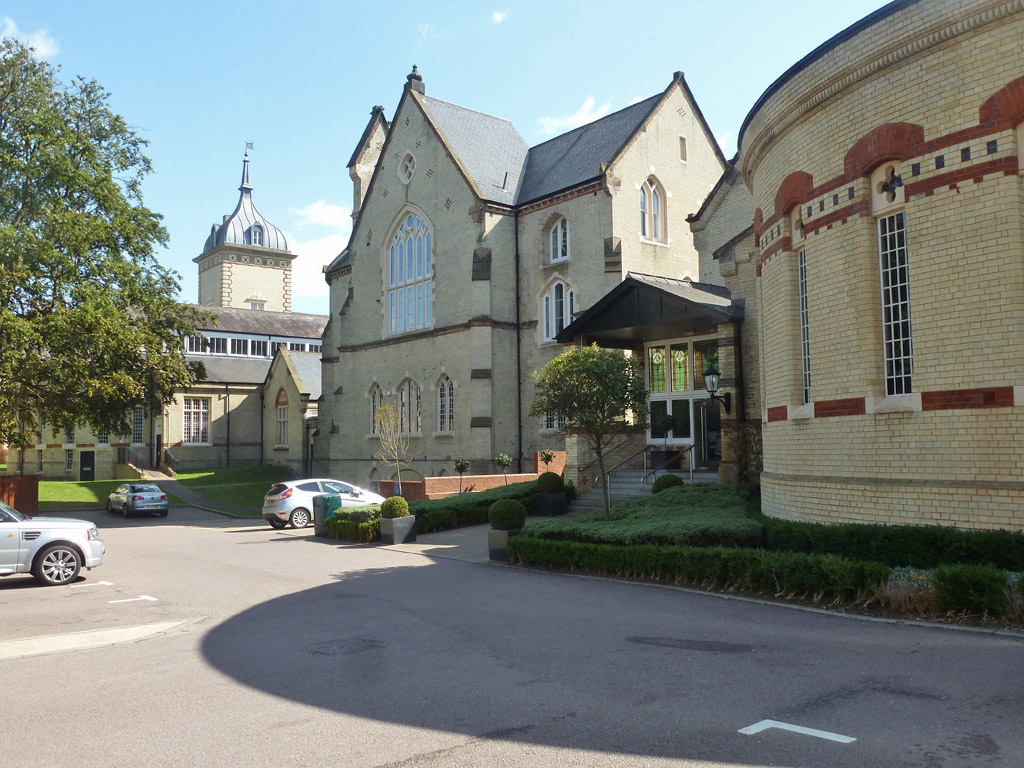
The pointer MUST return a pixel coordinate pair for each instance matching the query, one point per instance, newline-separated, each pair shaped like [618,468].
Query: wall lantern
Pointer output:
[711,376]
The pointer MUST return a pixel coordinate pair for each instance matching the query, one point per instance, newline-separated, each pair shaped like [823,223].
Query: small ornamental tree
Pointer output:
[599,392]
[547,457]
[394,446]
[461,465]
[503,460]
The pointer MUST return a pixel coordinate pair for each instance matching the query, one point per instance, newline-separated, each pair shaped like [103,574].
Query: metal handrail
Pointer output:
[689,452]
[644,450]
[581,470]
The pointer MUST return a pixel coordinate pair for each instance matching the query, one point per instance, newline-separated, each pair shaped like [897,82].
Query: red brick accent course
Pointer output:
[1006,106]
[448,485]
[890,141]
[778,413]
[850,406]
[797,187]
[945,400]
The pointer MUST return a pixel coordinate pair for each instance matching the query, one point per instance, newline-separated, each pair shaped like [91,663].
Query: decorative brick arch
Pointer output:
[1005,107]
[796,188]
[891,141]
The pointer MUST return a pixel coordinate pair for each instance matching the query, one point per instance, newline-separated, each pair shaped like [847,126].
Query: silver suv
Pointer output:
[53,549]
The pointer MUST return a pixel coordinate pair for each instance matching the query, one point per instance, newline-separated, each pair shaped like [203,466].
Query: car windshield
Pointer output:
[12,512]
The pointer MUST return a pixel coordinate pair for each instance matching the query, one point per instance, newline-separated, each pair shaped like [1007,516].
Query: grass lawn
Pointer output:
[693,515]
[65,494]
[264,476]
[246,495]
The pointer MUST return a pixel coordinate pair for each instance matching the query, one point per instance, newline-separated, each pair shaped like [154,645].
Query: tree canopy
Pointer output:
[600,393]
[89,326]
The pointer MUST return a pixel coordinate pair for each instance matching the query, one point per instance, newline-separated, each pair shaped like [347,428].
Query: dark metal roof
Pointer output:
[883,12]
[577,156]
[290,324]
[649,307]
[237,228]
[490,148]
[233,370]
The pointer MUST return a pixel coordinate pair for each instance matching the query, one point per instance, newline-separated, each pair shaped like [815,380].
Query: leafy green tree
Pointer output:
[599,392]
[503,460]
[88,320]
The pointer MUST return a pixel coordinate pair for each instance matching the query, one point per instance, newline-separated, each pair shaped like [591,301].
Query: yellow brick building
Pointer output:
[889,225]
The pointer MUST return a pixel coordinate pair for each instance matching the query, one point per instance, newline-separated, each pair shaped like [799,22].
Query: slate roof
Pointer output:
[233,370]
[307,366]
[489,147]
[291,324]
[576,156]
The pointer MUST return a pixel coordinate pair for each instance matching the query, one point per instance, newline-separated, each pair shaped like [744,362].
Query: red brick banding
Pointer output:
[954,399]
[778,413]
[796,188]
[850,406]
[890,141]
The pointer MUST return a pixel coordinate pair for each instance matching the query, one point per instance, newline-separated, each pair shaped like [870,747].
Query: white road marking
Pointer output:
[766,724]
[134,599]
[93,584]
[92,638]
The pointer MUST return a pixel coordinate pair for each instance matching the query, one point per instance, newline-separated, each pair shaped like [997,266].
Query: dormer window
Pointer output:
[558,240]
[256,235]
[407,168]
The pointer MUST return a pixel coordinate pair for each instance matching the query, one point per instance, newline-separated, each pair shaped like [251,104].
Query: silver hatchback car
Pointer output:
[131,498]
[292,501]
[53,549]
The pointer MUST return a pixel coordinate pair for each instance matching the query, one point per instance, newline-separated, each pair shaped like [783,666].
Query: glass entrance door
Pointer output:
[675,381]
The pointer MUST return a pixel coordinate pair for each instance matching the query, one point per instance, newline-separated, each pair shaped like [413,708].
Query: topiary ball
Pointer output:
[666,481]
[550,482]
[394,507]
[506,515]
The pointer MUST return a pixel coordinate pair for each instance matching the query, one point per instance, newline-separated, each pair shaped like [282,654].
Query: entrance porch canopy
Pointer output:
[649,307]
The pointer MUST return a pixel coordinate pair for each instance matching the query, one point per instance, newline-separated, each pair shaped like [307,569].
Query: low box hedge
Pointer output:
[353,530]
[790,573]
[467,508]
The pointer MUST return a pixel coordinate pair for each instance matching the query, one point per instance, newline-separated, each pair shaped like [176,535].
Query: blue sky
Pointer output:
[198,80]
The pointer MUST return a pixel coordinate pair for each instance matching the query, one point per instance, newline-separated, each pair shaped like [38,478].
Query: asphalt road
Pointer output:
[273,648]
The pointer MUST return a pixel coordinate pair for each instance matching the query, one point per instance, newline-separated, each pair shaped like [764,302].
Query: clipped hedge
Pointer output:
[507,515]
[972,588]
[394,506]
[789,573]
[467,508]
[352,530]
[916,546]
[550,482]
[666,481]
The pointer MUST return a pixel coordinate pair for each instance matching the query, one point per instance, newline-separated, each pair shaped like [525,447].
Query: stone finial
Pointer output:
[415,81]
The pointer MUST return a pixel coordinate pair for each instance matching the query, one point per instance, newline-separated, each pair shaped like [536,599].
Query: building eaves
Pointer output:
[266,323]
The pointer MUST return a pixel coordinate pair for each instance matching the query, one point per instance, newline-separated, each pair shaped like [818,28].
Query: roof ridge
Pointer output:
[467,109]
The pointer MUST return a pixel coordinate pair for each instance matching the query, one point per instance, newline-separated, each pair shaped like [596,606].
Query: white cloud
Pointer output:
[309,289]
[585,114]
[499,16]
[324,214]
[430,32]
[44,45]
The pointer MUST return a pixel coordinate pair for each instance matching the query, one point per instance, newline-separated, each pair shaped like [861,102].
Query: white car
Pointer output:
[292,501]
[53,549]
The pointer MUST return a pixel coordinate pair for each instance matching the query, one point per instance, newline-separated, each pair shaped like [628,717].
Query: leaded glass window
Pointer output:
[410,276]
[656,369]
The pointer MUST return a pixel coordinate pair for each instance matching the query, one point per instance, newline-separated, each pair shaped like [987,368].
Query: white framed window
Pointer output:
[196,420]
[550,422]
[256,235]
[196,344]
[675,383]
[315,347]
[217,345]
[406,168]
[410,288]
[895,284]
[102,437]
[258,348]
[558,241]
[69,437]
[239,346]
[652,224]
[296,346]
[805,343]
[376,403]
[409,407]
[69,460]
[557,307]
[259,306]
[137,417]
[282,425]
[445,404]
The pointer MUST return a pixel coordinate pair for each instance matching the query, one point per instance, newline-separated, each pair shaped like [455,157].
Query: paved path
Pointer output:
[186,494]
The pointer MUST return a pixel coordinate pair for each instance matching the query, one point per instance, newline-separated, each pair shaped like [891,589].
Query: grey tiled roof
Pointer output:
[307,366]
[488,146]
[233,370]
[576,156]
[291,324]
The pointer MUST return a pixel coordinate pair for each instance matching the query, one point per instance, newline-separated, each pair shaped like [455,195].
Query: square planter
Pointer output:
[398,530]
[550,504]
[497,543]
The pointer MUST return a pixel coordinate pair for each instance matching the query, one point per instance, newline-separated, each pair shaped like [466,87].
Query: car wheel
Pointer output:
[277,522]
[110,509]
[164,513]
[300,518]
[57,564]
[124,510]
